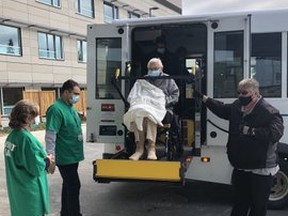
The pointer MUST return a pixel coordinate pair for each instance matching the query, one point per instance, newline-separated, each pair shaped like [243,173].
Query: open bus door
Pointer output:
[105,107]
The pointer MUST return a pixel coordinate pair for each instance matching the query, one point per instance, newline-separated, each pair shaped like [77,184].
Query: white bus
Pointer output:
[212,53]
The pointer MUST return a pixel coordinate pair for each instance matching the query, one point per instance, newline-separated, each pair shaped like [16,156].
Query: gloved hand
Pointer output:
[246,130]
[197,94]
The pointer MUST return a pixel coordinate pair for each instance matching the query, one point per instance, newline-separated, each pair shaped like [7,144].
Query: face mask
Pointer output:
[74,99]
[244,101]
[154,73]
[161,50]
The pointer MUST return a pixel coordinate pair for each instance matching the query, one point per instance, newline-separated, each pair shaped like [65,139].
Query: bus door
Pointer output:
[227,63]
[107,54]
[228,45]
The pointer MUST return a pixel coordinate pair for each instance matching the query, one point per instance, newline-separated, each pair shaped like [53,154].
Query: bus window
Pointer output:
[266,63]
[228,63]
[108,61]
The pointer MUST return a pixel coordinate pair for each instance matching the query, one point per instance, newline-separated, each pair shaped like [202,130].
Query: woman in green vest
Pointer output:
[26,164]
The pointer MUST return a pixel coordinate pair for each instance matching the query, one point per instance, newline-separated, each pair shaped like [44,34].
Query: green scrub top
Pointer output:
[63,119]
[26,177]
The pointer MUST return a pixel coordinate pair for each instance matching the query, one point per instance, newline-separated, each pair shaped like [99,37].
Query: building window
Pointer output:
[50,46]
[55,3]
[110,12]
[10,97]
[85,7]
[133,15]
[266,63]
[82,50]
[10,40]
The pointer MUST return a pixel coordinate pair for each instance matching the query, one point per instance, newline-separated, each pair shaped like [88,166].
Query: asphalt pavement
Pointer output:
[132,198]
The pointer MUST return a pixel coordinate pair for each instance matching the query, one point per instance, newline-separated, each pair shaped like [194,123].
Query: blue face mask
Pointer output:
[154,73]
[74,99]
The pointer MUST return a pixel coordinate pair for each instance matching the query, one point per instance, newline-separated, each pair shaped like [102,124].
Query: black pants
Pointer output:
[251,193]
[70,190]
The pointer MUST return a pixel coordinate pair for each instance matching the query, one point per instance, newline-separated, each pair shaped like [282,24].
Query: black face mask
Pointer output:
[244,101]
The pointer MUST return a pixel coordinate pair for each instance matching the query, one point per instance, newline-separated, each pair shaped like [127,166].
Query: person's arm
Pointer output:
[274,131]
[50,140]
[33,157]
[217,107]
[173,94]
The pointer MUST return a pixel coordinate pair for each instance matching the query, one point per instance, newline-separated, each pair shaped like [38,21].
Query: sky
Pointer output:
[208,6]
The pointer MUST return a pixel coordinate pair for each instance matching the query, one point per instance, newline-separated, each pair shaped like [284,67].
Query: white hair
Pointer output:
[155,61]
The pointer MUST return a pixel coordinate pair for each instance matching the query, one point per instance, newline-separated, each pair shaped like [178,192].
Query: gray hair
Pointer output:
[249,84]
[156,61]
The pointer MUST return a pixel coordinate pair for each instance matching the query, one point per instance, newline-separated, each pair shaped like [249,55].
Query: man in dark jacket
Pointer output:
[255,127]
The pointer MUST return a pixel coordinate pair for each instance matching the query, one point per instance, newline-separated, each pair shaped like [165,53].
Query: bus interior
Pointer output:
[185,61]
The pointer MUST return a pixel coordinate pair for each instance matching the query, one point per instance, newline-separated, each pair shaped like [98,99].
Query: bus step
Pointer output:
[166,171]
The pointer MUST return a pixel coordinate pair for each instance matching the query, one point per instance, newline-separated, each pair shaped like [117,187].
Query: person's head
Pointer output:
[161,44]
[70,92]
[248,90]
[23,114]
[155,67]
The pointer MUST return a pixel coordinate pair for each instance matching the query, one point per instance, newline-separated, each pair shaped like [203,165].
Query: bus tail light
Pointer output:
[205,159]
[188,159]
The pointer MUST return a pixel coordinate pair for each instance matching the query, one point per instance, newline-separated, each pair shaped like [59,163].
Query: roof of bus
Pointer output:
[196,17]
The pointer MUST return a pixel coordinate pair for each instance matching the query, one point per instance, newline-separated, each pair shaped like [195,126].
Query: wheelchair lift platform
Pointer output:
[142,170]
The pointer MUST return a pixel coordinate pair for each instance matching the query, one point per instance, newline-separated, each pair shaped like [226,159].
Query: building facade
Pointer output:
[43,42]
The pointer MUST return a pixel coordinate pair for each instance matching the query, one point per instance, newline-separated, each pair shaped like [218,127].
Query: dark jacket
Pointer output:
[256,150]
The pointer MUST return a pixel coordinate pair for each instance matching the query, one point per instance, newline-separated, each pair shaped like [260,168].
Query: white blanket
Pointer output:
[146,100]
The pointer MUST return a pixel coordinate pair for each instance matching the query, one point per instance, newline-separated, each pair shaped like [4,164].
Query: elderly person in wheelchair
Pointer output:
[151,104]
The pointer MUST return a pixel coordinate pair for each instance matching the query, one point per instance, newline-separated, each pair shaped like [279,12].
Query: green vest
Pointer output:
[26,177]
[63,119]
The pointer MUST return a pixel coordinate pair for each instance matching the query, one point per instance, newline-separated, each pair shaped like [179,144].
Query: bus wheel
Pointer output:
[279,191]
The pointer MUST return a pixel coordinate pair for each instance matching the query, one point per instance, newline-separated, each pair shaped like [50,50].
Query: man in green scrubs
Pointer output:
[26,165]
[64,140]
